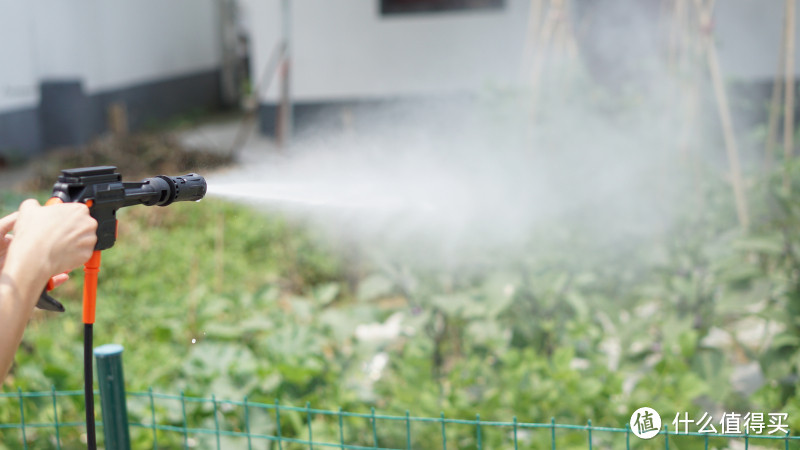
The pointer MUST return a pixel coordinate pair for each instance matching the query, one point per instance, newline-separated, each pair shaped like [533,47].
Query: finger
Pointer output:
[59,279]
[30,203]
[7,223]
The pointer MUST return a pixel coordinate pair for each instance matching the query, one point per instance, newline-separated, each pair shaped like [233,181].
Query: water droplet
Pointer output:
[194,340]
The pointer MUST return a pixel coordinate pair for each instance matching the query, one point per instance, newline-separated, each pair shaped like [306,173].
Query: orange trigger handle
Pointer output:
[90,269]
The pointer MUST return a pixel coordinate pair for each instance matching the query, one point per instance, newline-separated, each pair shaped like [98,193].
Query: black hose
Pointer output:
[88,387]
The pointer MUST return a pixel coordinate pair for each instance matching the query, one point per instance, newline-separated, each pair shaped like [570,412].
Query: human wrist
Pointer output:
[26,265]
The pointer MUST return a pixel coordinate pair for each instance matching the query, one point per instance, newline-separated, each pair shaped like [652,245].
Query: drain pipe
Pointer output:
[285,109]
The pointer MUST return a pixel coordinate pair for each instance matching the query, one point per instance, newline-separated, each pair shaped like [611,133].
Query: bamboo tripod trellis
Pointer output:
[704,10]
[691,40]
[782,98]
[550,33]
[783,86]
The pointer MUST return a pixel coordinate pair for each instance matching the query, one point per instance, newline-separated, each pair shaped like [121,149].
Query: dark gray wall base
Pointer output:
[324,116]
[20,135]
[149,104]
[749,108]
[367,115]
[63,114]
[66,116]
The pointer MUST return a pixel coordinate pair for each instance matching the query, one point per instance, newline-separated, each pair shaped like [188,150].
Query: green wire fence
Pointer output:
[231,424]
[50,419]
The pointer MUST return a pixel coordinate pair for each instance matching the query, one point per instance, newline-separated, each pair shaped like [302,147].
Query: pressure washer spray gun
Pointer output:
[101,189]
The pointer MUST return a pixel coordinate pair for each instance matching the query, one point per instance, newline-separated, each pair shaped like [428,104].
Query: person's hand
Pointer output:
[6,225]
[61,237]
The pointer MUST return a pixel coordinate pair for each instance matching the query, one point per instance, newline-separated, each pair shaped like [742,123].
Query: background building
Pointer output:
[65,63]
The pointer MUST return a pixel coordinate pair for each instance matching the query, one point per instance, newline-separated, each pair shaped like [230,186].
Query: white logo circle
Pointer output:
[645,423]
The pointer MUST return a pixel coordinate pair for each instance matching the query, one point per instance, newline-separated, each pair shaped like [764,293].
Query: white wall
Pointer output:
[347,50]
[107,44]
[342,50]
[145,40]
[748,37]
[18,84]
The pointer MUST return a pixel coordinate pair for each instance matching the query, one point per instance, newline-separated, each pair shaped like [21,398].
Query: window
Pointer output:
[389,7]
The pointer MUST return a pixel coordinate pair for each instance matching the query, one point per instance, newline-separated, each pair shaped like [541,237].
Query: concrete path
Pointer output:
[13,178]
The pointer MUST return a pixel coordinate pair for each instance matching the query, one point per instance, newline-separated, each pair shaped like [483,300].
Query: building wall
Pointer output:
[163,57]
[18,86]
[19,90]
[748,37]
[112,51]
[347,50]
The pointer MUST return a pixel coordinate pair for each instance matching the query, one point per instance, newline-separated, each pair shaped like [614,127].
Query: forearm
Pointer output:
[20,288]
[46,241]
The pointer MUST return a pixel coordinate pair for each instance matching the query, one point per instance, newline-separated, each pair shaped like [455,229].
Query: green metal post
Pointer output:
[112,396]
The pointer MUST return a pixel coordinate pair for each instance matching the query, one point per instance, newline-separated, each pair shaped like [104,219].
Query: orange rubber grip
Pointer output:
[53,201]
[90,269]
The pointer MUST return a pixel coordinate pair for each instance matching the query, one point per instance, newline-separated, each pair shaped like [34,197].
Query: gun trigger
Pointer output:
[48,303]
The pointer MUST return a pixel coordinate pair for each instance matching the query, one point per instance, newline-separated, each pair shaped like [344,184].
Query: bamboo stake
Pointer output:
[788,105]
[545,35]
[775,105]
[691,105]
[692,48]
[251,104]
[572,42]
[118,119]
[689,43]
[559,47]
[680,51]
[532,35]
[675,33]
[724,114]
[710,10]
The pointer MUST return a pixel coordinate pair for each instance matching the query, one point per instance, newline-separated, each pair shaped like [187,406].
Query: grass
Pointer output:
[168,266]
[217,299]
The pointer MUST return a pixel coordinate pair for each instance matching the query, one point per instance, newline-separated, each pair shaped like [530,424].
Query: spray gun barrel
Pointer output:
[163,190]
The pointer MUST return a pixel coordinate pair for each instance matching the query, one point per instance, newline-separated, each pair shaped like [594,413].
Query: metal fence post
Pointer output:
[112,396]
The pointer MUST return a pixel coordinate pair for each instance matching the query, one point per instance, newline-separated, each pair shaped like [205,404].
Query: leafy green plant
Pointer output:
[226,301]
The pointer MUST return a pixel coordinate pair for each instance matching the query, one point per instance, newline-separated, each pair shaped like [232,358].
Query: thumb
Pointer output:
[7,223]
[29,204]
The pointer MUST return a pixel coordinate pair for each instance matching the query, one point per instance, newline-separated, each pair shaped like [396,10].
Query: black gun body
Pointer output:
[102,190]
